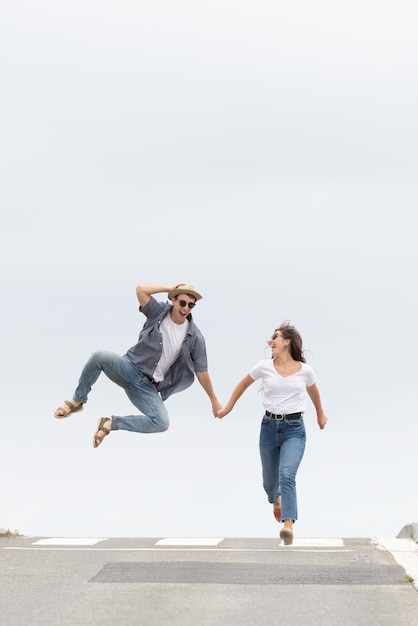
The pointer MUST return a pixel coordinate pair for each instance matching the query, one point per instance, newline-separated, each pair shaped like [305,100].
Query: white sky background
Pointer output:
[265,152]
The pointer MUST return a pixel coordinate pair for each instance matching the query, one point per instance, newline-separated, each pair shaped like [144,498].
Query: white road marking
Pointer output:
[69,541]
[189,541]
[183,544]
[185,549]
[318,542]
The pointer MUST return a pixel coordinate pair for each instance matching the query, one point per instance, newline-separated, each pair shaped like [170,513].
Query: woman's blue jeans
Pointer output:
[140,391]
[282,444]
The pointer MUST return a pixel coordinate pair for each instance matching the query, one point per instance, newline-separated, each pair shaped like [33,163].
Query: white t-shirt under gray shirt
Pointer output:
[173,336]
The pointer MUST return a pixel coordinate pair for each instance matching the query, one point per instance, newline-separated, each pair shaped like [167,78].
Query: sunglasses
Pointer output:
[275,335]
[184,303]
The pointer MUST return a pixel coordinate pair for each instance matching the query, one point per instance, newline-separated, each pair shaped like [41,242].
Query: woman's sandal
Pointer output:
[100,428]
[286,536]
[72,409]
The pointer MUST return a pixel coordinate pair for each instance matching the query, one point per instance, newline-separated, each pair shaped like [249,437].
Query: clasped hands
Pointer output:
[220,412]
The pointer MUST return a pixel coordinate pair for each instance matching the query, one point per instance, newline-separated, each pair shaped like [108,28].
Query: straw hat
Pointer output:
[184,288]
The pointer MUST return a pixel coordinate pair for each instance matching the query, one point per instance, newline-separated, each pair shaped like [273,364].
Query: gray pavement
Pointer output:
[207,581]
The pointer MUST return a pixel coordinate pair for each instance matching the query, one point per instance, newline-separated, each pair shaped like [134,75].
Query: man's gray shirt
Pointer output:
[146,353]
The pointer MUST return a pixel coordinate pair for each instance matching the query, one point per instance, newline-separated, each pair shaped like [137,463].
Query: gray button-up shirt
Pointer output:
[146,353]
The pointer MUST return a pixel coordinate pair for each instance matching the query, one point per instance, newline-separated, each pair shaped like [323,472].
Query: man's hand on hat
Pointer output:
[179,285]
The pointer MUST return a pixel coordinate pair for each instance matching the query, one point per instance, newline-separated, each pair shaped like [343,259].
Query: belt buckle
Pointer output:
[151,379]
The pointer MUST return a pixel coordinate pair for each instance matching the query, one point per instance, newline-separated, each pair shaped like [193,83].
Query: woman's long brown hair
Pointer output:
[289,332]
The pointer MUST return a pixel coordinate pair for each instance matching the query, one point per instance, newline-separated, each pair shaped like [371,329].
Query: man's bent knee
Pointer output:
[161,426]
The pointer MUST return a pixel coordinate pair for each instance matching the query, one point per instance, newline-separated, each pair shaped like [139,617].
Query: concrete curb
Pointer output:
[409,531]
[405,553]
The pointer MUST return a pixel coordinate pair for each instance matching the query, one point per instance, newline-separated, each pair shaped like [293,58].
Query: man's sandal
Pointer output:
[100,428]
[71,409]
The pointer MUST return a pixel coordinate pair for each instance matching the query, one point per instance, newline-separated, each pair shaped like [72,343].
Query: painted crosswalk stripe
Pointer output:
[69,541]
[318,542]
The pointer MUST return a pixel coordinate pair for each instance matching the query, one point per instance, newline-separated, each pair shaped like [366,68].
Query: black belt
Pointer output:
[151,379]
[289,416]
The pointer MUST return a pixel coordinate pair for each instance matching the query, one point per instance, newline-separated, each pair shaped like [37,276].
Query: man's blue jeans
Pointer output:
[140,391]
[282,444]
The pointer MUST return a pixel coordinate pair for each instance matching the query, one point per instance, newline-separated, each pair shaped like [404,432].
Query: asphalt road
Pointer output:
[202,582]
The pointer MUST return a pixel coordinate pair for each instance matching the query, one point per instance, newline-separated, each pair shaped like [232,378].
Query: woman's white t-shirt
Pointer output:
[283,394]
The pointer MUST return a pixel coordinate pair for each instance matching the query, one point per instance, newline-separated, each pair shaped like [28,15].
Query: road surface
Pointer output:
[202,582]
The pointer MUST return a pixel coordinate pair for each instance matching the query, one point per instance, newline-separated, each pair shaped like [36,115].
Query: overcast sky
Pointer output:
[264,151]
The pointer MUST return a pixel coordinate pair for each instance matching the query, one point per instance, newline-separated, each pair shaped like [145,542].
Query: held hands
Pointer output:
[216,406]
[221,412]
